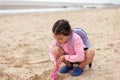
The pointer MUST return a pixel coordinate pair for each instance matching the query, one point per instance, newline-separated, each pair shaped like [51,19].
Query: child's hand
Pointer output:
[62,58]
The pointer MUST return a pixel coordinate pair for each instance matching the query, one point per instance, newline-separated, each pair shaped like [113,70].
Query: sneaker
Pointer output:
[77,71]
[65,69]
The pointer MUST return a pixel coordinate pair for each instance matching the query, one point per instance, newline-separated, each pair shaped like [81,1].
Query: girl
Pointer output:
[61,49]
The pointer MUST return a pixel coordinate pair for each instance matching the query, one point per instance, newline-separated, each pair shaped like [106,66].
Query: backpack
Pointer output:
[83,36]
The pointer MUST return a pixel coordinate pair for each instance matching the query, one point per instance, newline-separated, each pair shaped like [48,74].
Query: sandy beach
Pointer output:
[25,41]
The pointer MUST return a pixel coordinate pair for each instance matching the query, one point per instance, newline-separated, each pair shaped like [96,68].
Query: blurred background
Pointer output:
[25,6]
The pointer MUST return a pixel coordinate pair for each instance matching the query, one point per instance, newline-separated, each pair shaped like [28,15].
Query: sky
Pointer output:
[80,1]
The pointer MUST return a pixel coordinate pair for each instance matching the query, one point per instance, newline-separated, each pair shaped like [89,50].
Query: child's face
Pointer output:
[61,39]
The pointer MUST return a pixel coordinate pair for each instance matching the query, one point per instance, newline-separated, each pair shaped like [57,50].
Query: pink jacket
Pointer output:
[75,54]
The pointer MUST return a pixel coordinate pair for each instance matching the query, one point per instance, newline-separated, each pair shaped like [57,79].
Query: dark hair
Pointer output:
[62,27]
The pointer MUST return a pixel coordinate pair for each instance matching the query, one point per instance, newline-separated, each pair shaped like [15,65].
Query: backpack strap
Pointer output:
[71,40]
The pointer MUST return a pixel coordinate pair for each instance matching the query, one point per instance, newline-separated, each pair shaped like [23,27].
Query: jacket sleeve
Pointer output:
[79,50]
[51,55]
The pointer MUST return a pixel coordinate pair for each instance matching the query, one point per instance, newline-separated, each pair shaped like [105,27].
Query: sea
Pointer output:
[8,7]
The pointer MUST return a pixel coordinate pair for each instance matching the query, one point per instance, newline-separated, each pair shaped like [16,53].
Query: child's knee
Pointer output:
[57,52]
[90,53]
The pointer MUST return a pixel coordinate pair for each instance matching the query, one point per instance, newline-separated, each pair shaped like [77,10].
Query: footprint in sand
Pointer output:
[21,61]
[115,50]
[7,58]
[5,76]
[98,49]
[110,45]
